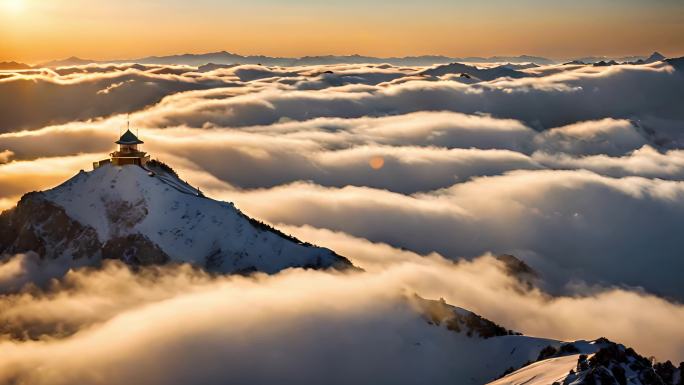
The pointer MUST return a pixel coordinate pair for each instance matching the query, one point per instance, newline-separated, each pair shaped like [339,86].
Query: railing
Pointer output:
[132,154]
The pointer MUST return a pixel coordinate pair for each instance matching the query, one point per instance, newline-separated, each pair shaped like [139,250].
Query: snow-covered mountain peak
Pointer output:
[114,200]
[150,215]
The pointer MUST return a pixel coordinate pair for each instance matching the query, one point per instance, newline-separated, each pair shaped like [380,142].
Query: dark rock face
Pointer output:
[134,249]
[459,320]
[38,225]
[604,63]
[517,268]
[613,363]
[124,215]
[563,350]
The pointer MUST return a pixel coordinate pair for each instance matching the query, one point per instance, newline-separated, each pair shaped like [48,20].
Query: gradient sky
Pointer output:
[35,30]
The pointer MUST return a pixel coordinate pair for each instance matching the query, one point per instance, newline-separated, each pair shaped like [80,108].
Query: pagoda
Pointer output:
[128,153]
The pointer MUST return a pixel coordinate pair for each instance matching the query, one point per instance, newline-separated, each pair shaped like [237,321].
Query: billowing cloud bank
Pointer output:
[176,325]
[577,170]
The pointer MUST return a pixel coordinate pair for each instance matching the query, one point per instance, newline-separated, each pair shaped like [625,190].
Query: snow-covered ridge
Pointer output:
[590,363]
[141,215]
[505,357]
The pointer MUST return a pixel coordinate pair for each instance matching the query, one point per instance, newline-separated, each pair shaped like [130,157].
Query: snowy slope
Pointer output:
[474,360]
[143,216]
[475,349]
[481,352]
[542,372]
[599,362]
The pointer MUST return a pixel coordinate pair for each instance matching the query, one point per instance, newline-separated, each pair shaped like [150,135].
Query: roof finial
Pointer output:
[128,122]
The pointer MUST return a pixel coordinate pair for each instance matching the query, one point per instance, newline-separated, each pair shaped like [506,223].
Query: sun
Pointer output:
[13,6]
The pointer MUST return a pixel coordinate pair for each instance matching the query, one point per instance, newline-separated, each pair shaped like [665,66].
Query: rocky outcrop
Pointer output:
[134,249]
[527,276]
[460,320]
[615,364]
[123,215]
[39,225]
[602,362]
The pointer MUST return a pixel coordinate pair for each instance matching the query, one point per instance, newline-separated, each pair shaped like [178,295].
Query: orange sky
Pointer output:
[36,30]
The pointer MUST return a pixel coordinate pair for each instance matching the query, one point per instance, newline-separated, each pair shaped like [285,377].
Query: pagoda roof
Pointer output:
[129,138]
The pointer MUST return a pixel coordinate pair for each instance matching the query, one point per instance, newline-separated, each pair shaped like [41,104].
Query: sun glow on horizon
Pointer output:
[38,31]
[13,6]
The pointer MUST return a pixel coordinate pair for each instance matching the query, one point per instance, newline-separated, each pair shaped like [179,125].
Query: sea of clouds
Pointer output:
[576,170]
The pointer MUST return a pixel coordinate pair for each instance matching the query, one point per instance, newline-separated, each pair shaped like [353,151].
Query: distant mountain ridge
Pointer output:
[225,57]
[654,57]
[12,65]
[469,71]
[70,61]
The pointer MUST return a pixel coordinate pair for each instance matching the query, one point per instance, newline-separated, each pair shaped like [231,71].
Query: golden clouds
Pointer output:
[566,167]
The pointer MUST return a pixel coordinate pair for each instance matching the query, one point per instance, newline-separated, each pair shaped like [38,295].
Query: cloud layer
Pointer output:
[175,325]
[577,170]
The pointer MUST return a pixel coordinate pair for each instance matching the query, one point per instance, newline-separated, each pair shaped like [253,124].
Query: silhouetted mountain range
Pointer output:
[224,58]
[654,57]
[12,65]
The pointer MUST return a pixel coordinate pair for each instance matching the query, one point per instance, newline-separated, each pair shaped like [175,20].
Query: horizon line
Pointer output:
[224,51]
